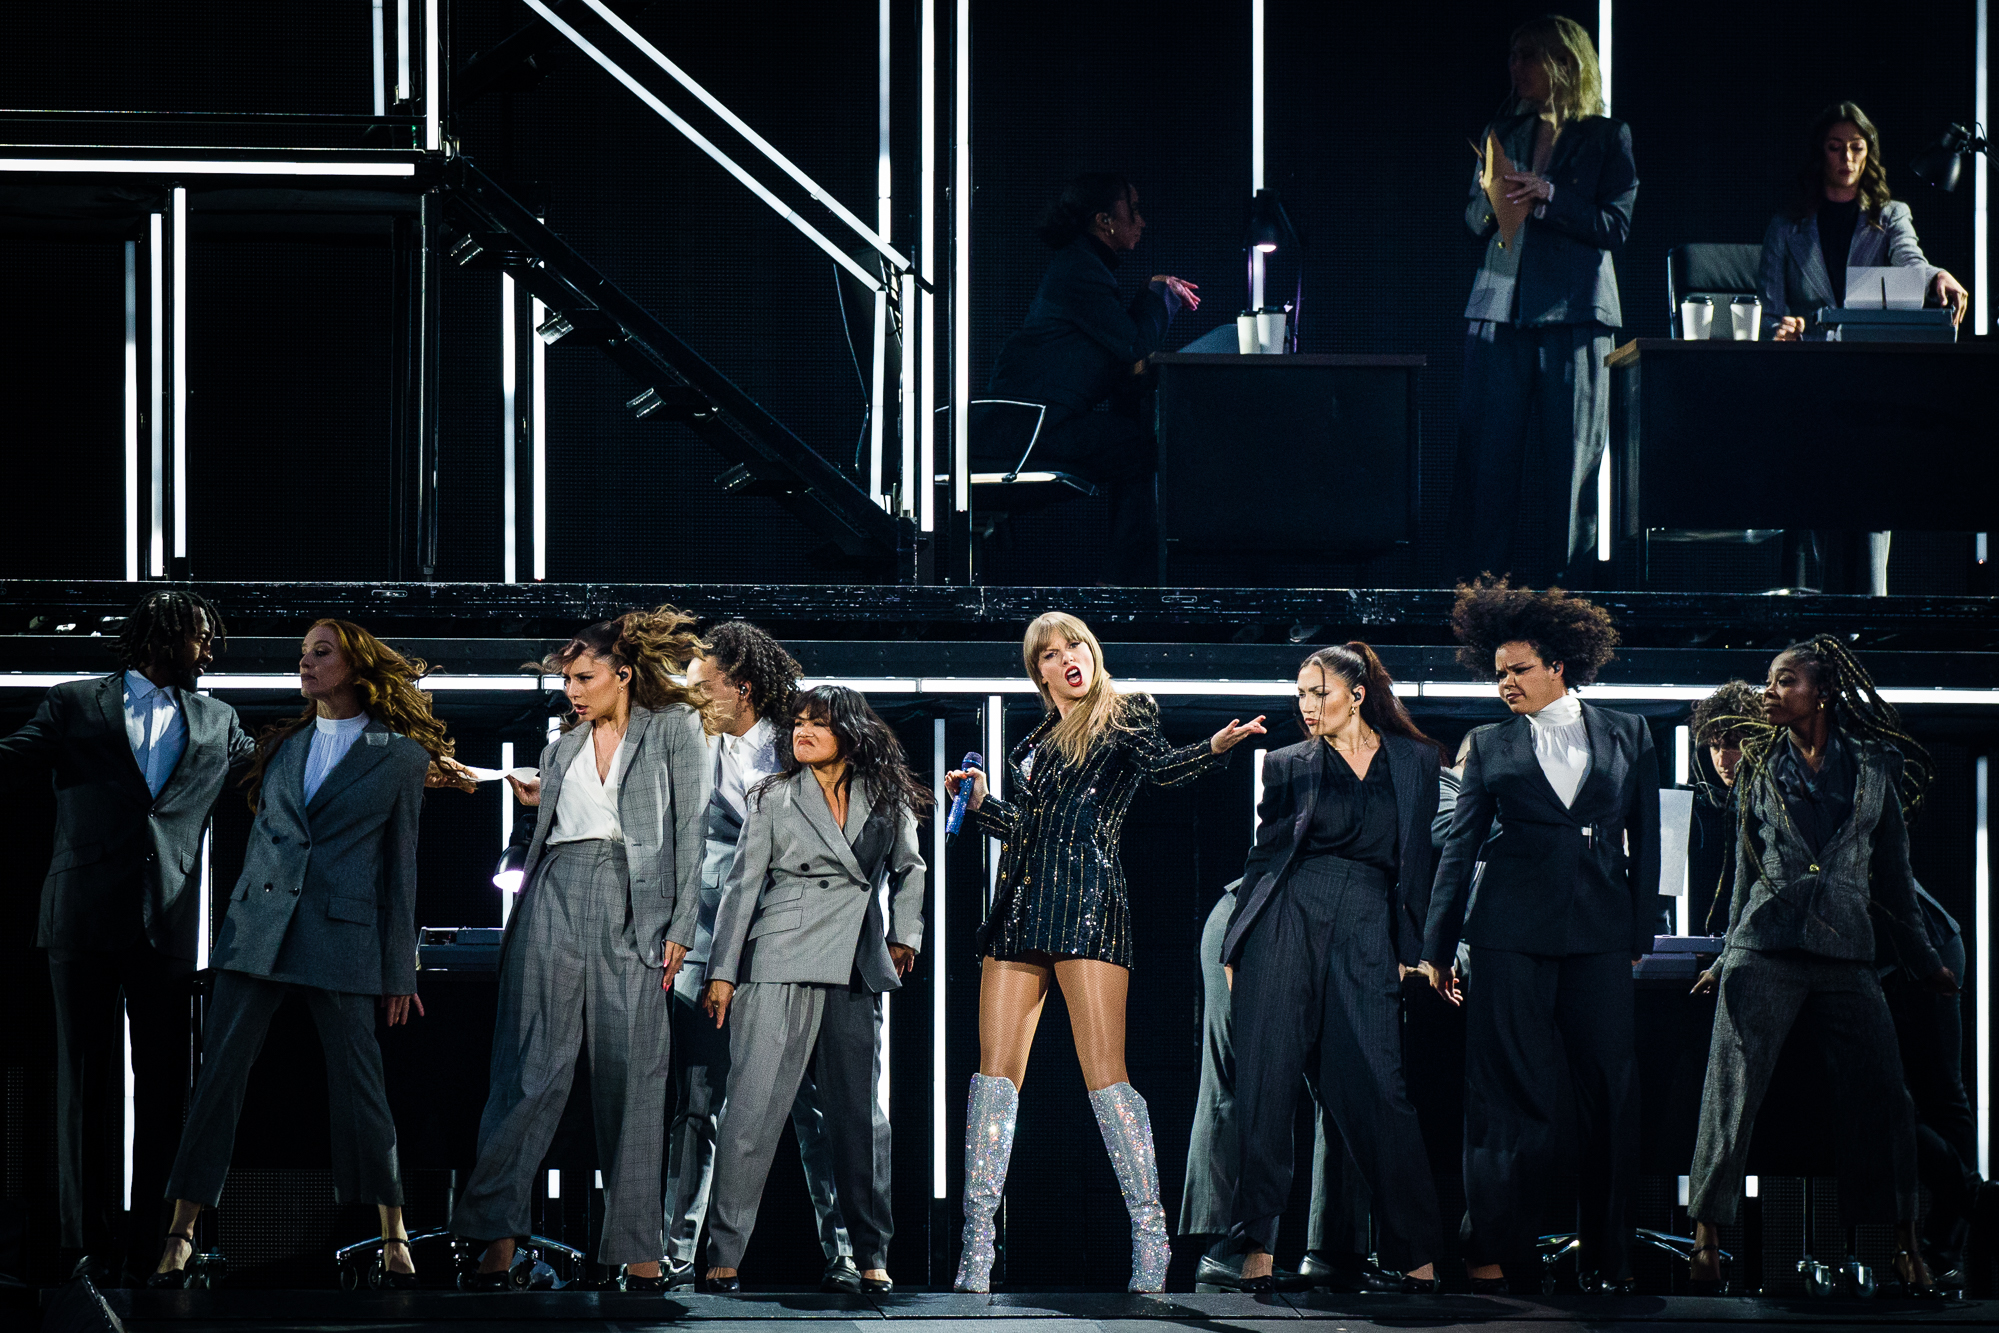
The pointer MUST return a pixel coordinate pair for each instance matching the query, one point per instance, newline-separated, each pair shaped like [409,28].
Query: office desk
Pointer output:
[1855,436]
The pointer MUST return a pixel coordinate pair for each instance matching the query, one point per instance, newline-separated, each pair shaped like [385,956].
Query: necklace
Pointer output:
[1373,739]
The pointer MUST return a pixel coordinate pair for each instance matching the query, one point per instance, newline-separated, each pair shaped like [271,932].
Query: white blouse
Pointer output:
[588,808]
[1561,743]
[332,738]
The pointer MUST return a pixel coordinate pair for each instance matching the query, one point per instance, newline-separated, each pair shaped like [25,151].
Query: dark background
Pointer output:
[1368,123]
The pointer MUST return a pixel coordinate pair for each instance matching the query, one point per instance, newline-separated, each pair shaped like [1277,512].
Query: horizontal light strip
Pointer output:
[1197,689]
[193,167]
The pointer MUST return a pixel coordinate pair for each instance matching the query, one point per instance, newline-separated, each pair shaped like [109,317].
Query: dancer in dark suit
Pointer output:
[613,882]
[1328,922]
[1823,863]
[325,909]
[138,759]
[1567,903]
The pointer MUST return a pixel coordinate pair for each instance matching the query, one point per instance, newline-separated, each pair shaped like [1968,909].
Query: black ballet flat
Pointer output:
[176,1279]
[720,1285]
[473,1280]
[1490,1286]
[1257,1286]
[875,1286]
[1421,1286]
[648,1285]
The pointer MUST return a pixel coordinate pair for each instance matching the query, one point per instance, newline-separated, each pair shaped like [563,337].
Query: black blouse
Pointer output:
[1353,818]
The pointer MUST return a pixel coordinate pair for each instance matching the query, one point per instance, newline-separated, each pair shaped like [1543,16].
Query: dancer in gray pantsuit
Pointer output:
[325,909]
[612,883]
[1823,855]
[803,956]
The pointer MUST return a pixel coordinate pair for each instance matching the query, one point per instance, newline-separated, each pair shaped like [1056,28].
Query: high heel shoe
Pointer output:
[1127,1129]
[989,1123]
[387,1278]
[175,1279]
[1905,1267]
[1704,1286]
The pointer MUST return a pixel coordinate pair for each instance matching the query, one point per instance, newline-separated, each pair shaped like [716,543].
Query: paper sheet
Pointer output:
[1492,179]
[1901,288]
[495,774]
[1676,820]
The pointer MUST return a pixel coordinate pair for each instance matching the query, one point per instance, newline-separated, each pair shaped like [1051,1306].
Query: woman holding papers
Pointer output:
[1840,219]
[1552,200]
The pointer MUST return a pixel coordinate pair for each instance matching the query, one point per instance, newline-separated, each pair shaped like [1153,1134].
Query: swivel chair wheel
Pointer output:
[351,1277]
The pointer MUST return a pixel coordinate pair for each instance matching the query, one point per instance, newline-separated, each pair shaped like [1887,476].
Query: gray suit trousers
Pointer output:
[572,971]
[1762,997]
[776,1029]
[364,1133]
[701,1084]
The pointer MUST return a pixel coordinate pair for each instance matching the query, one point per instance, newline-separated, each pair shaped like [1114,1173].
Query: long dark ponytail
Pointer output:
[1356,664]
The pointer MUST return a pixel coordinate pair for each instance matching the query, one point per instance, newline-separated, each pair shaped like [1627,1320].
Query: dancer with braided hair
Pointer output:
[1822,853]
[612,886]
[1568,902]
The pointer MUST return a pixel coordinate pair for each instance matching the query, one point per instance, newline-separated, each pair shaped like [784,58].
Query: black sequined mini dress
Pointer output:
[1061,886]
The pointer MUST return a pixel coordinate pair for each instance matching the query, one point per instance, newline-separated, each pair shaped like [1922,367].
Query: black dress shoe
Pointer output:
[679,1273]
[841,1276]
[720,1284]
[1421,1286]
[1490,1286]
[649,1285]
[1213,1272]
[173,1280]
[875,1286]
[473,1280]
[1257,1286]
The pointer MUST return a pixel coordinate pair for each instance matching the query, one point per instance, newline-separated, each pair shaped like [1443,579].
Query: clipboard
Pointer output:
[1494,167]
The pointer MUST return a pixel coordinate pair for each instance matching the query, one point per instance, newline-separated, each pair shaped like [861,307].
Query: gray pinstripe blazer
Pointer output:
[327,896]
[799,887]
[1795,281]
[662,802]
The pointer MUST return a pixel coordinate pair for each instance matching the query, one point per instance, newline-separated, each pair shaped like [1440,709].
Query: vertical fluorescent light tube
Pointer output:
[1683,755]
[1603,502]
[912,405]
[538,444]
[884,224]
[402,50]
[131,411]
[433,75]
[178,407]
[509,366]
[506,824]
[1256,27]
[961,268]
[995,767]
[131,1100]
[156,546]
[940,1139]
[882,1054]
[1981,910]
[1981,184]
[381,66]
[555,1176]
[926,379]
[206,925]
[1603,49]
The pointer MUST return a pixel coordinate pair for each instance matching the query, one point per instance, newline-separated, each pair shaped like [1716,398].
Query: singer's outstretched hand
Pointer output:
[1235,733]
[958,775]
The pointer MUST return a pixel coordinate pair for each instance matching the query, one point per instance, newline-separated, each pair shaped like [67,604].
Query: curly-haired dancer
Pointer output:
[1568,901]
[611,888]
[324,910]
[1062,916]
[1822,855]
[748,680]
[828,836]
[139,758]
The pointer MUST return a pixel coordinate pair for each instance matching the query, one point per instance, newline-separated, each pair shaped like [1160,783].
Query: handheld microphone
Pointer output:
[962,801]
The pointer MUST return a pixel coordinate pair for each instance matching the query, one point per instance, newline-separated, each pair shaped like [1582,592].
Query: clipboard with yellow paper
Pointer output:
[1495,166]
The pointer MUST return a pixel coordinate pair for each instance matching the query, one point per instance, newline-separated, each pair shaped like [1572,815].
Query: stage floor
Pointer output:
[1081,1312]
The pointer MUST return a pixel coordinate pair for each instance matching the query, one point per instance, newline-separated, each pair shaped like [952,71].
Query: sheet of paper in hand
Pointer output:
[1492,179]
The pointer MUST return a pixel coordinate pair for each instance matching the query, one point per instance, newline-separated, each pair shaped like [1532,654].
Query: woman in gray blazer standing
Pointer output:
[325,909]
[803,955]
[612,887]
[1841,218]
[1822,864]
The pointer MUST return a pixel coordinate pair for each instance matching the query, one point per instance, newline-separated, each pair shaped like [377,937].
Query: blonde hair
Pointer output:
[1101,709]
[1575,83]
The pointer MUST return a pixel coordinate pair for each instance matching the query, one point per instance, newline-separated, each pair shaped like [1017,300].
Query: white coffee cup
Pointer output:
[1745,317]
[1245,333]
[1270,330]
[1696,318]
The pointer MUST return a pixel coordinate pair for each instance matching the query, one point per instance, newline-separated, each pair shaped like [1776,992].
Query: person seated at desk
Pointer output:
[1842,218]
[1080,347]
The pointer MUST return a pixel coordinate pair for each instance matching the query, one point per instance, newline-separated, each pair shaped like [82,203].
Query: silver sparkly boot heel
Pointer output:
[1127,1131]
[989,1122]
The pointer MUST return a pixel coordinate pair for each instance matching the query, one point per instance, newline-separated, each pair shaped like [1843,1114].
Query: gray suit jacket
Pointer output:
[799,888]
[1795,281]
[662,801]
[127,864]
[327,897]
[1828,904]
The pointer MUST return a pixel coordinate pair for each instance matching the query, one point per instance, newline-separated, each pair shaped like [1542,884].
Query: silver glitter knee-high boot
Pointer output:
[1127,1131]
[989,1121]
